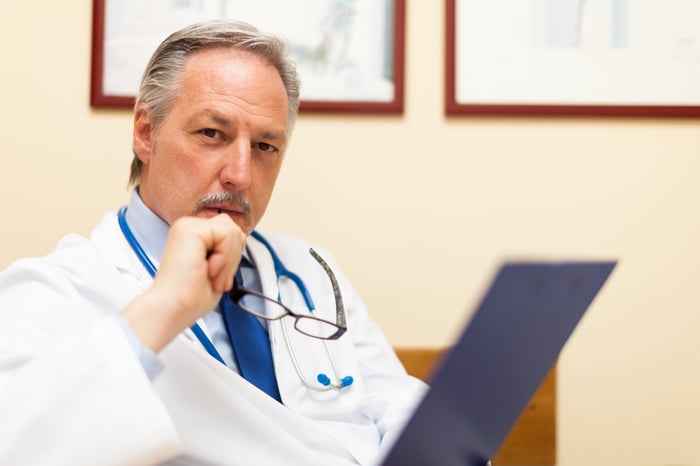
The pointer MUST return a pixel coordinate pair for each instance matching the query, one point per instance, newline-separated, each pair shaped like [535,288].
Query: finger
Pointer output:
[225,249]
[222,271]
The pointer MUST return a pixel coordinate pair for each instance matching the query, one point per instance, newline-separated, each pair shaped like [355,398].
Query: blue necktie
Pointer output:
[251,346]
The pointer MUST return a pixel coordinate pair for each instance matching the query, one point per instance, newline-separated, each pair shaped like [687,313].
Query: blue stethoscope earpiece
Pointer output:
[324,380]
[346,381]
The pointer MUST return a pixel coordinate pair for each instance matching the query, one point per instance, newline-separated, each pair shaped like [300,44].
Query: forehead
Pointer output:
[225,80]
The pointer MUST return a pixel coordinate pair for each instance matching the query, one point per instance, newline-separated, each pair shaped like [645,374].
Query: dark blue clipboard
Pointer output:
[507,348]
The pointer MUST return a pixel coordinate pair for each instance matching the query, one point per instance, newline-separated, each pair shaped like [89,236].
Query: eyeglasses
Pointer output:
[307,324]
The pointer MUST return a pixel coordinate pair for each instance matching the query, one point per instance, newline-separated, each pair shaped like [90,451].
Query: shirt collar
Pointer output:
[150,230]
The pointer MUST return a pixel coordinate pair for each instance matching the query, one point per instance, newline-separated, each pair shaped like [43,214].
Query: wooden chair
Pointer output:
[532,441]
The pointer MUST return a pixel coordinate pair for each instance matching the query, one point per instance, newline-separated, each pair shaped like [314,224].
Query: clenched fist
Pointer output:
[199,263]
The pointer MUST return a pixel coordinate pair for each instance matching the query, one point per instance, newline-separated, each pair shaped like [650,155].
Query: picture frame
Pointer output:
[349,55]
[599,58]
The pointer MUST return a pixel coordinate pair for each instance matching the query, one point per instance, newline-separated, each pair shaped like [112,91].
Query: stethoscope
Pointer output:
[280,271]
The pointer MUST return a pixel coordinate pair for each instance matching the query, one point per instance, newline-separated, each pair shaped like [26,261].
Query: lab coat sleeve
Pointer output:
[72,391]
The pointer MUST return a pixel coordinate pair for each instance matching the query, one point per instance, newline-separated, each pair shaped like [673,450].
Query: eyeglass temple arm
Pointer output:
[339,308]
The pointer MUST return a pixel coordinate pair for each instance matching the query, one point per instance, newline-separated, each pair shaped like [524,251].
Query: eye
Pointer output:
[209,132]
[265,147]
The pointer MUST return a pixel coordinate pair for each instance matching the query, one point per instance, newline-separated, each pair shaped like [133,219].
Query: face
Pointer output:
[221,146]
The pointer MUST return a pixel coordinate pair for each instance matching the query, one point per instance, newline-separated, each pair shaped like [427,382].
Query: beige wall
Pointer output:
[420,202]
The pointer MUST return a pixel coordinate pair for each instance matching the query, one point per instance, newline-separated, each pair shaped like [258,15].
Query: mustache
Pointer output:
[223,197]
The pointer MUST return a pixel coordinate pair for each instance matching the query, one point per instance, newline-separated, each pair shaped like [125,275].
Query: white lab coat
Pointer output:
[73,393]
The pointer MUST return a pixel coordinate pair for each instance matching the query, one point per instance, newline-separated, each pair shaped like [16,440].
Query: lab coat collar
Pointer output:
[114,247]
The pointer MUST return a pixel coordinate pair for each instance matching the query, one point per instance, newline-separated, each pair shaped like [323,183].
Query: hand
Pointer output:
[199,263]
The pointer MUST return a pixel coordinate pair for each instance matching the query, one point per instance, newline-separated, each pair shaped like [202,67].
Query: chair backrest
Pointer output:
[532,441]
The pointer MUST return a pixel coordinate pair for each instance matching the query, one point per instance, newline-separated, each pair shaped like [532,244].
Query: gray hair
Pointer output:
[160,84]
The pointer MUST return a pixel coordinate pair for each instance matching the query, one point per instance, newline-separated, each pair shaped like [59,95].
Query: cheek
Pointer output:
[264,185]
[179,179]
[182,165]
[265,175]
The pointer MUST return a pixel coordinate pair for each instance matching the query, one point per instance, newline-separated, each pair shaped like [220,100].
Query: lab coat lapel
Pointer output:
[311,357]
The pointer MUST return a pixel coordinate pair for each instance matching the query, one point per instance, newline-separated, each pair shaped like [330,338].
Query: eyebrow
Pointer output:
[217,118]
[223,121]
[274,135]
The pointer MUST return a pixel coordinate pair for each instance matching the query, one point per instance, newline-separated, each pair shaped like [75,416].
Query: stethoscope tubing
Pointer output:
[324,381]
[151,268]
[280,271]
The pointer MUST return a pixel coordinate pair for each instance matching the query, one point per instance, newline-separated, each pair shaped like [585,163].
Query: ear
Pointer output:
[143,134]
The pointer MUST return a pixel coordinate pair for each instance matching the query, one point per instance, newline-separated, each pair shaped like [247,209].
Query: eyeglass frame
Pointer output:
[238,292]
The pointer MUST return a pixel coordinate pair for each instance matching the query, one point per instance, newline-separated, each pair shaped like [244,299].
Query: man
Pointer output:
[101,363]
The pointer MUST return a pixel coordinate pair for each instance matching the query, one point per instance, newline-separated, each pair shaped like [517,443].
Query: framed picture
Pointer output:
[573,57]
[349,53]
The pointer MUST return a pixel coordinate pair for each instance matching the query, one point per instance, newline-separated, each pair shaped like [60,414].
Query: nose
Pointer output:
[236,171]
